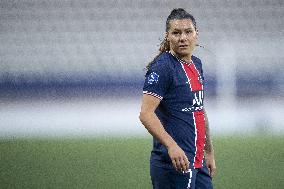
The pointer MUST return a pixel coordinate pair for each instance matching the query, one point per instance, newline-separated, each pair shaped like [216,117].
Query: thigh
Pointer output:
[203,179]
[171,179]
[160,177]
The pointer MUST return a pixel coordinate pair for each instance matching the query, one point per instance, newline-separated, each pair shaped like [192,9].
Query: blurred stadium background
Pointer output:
[76,69]
[94,52]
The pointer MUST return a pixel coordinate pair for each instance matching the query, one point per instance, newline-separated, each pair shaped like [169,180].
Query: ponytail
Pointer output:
[164,47]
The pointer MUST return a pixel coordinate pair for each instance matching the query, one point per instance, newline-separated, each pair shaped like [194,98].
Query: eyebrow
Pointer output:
[183,29]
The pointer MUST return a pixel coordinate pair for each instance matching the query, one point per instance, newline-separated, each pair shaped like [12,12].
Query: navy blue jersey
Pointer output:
[179,86]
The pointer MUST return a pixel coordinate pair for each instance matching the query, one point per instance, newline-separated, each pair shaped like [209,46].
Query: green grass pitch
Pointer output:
[104,163]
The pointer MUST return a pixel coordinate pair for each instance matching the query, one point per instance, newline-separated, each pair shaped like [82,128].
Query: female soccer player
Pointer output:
[173,113]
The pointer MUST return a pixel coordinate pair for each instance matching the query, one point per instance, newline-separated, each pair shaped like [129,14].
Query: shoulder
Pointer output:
[161,67]
[196,60]
[163,61]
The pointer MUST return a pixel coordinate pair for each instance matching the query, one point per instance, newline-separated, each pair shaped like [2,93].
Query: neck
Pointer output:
[186,58]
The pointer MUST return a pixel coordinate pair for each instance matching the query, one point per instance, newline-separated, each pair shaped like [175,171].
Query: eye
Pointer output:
[188,31]
[175,32]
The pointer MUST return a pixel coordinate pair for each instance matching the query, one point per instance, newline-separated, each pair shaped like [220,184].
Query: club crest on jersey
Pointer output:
[153,78]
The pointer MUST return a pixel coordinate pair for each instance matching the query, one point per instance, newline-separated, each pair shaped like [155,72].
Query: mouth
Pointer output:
[183,46]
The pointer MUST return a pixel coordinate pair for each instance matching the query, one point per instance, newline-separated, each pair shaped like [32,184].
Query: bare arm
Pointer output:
[208,143]
[151,122]
[210,157]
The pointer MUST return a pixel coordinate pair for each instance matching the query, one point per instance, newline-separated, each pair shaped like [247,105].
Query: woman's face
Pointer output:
[182,37]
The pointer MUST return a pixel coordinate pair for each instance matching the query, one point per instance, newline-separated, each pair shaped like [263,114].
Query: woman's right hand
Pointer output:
[152,123]
[178,157]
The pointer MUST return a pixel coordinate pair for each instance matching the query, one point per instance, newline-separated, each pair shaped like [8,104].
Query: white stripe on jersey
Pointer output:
[188,80]
[189,180]
[195,131]
[153,94]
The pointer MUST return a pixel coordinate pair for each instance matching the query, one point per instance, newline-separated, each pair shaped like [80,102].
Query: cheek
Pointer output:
[173,42]
[193,39]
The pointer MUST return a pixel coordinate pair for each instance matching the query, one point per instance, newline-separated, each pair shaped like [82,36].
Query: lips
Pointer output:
[183,46]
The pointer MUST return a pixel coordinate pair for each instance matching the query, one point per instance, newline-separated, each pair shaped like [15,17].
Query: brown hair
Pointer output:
[176,14]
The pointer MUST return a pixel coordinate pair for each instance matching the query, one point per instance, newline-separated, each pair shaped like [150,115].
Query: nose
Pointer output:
[183,36]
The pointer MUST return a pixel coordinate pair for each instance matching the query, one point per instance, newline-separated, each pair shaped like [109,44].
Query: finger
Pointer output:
[213,172]
[174,164]
[179,166]
[186,163]
[209,170]
[183,164]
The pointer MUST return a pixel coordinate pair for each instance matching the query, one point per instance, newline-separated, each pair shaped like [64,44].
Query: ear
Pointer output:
[197,32]
[166,36]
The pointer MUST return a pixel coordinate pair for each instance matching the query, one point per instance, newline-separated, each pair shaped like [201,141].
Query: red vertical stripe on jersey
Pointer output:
[199,123]
[199,119]
[193,76]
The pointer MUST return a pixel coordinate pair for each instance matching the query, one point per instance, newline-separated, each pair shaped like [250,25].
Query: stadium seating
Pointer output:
[115,39]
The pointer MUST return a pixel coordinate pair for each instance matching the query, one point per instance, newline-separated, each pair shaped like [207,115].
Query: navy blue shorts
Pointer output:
[163,178]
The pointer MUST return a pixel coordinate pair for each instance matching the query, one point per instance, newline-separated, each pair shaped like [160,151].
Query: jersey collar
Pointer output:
[181,61]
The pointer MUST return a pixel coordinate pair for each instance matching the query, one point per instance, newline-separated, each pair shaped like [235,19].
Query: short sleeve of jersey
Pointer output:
[157,80]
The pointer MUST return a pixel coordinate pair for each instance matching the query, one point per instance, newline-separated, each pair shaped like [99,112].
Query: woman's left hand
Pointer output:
[210,162]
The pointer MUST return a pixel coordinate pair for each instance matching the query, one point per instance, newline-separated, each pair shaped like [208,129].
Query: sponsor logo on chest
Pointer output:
[197,102]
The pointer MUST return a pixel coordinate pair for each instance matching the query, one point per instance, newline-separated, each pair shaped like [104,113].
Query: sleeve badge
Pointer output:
[153,78]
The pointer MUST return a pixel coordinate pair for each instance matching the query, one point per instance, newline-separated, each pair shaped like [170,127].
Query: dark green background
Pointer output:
[242,162]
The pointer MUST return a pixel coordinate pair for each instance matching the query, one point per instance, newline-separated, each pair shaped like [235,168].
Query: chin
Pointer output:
[184,53]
